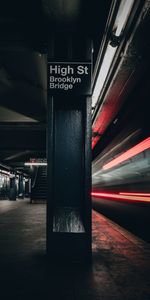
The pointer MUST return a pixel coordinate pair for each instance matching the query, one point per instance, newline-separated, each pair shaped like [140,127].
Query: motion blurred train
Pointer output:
[121,106]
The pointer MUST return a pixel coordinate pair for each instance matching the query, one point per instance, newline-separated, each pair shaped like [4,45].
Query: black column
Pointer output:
[21,187]
[27,187]
[12,191]
[69,167]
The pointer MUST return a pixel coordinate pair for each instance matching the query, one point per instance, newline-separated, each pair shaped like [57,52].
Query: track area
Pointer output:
[127,211]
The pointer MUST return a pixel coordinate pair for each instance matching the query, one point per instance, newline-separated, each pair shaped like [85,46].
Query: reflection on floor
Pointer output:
[120,269]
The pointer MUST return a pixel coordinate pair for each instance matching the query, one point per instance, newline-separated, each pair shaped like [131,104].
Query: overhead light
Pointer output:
[117,30]
[5,172]
[35,164]
[122,16]
[107,60]
[140,147]
[12,175]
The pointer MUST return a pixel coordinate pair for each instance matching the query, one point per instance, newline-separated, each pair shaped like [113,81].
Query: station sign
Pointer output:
[38,160]
[69,77]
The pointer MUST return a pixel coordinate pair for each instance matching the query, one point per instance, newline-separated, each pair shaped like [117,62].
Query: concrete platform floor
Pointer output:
[120,270]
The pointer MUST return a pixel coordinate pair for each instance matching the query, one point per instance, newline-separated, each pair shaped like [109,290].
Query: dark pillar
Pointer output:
[12,191]
[21,187]
[27,187]
[69,161]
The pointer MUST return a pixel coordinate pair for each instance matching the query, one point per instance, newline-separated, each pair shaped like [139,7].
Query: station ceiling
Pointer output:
[25,27]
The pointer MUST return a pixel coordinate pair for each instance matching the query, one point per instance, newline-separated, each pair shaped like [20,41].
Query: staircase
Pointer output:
[39,186]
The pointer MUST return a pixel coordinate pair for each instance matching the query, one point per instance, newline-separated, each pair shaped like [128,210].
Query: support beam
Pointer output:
[69,162]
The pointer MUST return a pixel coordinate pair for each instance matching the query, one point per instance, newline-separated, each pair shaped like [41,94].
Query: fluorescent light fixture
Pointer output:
[5,172]
[12,175]
[35,164]
[109,55]
[119,24]
[140,147]
[122,16]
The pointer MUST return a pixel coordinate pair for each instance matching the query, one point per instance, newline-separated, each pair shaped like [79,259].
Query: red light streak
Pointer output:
[144,145]
[135,194]
[119,197]
[94,141]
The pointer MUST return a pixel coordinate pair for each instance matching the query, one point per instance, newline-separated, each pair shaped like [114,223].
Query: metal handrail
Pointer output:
[33,185]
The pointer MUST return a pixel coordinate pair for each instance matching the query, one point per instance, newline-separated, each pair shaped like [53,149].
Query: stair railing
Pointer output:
[35,177]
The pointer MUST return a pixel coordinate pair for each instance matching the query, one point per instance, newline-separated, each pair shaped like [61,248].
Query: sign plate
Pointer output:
[69,77]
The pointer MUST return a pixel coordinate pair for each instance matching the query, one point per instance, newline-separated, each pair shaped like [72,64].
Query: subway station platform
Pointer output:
[120,268]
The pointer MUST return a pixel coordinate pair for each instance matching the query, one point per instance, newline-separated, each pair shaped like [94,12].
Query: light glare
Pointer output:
[35,164]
